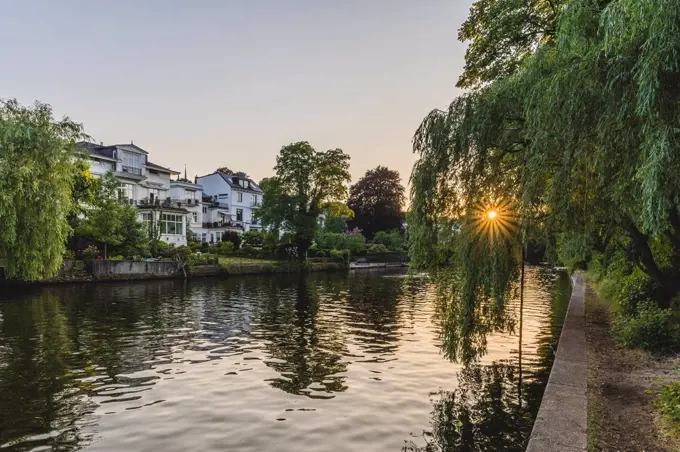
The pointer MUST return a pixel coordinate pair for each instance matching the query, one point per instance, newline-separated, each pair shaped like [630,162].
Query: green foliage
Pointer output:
[305,182]
[253,238]
[652,328]
[104,216]
[571,128]
[91,252]
[503,35]
[378,248]
[37,171]
[377,200]
[135,241]
[117,258]
[223,248]
[202,259]
[393,240]
[354,241]
[233,237]
[329,240]
[668,403]
[159,248]
[181,253]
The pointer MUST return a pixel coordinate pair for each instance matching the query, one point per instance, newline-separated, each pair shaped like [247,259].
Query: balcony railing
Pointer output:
[132,170]
[223,224]
[186,201]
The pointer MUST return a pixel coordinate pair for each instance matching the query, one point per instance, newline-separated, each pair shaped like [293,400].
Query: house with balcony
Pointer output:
[147,186]
[234,200]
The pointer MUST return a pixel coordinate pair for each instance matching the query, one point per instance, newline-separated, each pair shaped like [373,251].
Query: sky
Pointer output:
[228,83]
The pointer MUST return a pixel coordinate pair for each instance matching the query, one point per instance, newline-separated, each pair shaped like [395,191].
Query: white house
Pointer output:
[147,186]
[233,199]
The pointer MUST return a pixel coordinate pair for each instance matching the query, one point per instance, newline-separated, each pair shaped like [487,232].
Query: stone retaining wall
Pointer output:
[561,424]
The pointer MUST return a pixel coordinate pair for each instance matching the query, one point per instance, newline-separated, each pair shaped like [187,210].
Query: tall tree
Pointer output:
[377,200]
[306,181]
[105,217]
[579,141]
[37,168]
[227,170]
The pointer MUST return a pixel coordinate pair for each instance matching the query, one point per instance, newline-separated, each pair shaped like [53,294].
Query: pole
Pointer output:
[521,318]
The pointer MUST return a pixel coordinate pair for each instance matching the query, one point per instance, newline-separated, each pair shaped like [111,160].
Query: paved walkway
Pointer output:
[561,424]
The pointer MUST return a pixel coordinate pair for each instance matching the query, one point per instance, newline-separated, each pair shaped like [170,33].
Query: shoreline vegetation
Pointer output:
[625,386]
[83,271]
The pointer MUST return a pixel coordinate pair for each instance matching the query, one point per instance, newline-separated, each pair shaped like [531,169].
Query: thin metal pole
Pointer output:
[521,318]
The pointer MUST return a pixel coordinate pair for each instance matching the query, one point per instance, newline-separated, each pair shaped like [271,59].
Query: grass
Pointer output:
[235,260]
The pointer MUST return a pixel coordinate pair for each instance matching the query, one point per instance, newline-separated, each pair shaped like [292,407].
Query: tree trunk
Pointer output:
[105,251]
[644,255]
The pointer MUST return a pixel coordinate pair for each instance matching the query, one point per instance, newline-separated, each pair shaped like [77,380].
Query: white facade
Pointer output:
[234,199]
[145,185]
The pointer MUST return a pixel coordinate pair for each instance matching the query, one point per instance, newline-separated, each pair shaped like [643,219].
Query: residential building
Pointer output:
[147,186]
[234,199]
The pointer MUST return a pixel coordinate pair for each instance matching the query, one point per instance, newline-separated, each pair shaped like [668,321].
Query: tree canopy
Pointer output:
[306,181]
[575,143]
[377,200]
[37,170]
[227,170]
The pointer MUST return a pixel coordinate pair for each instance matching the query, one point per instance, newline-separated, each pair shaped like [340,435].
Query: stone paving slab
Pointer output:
[561,424]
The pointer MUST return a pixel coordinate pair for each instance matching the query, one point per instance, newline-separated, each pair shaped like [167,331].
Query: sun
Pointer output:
[495,219]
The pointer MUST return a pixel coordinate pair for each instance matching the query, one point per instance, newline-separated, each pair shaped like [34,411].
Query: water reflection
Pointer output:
[485,413]
[165,365]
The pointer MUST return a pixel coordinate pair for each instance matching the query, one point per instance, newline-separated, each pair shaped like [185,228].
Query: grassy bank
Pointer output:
[249,266]
[623,383]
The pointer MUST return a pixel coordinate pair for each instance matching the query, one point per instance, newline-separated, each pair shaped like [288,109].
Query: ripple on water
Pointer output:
[324,362]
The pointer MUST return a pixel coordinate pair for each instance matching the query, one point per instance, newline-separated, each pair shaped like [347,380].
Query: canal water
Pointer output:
[319,362]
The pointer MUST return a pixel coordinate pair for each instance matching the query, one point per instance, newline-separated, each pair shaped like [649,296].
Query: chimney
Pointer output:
[101,143]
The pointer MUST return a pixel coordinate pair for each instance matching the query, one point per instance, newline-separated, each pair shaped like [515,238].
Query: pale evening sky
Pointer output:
[212,83]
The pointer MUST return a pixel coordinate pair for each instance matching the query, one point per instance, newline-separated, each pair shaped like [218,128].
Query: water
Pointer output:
[323,362]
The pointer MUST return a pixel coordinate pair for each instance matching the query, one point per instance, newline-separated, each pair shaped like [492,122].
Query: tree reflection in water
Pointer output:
[486,412]
[304,347]
[494,406]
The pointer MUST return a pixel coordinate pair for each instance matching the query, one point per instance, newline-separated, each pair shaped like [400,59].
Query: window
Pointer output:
[195,216]
[132,163]
[189,194]
[147,218]
[240,197]
[239,214]
[172,224]
[254,200]
[205,210]
[153,194]
[125,191]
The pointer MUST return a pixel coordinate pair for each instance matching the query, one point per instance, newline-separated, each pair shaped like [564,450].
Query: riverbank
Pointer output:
[74,271]
[622,384]
[561,420]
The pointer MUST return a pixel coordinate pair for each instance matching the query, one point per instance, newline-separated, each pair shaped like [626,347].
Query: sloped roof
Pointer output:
[232,180]
[163,169]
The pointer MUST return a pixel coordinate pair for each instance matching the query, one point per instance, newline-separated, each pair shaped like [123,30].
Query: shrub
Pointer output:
[205,246]
[253,239]
[233,237]
[194,246]
[632,290]
[159,248]
[355,242]
[117,258]
[340,255]
[69,254]
[320,253]
[223,248]
[202,259]
[378,249]
[181,252]
[393,240]
[653,329]
[668,402]
[91,252]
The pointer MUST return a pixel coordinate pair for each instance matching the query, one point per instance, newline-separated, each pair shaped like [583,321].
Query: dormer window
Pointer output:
[243,183]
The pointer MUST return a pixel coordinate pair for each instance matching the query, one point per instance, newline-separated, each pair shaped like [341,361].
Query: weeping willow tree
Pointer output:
[577,140]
